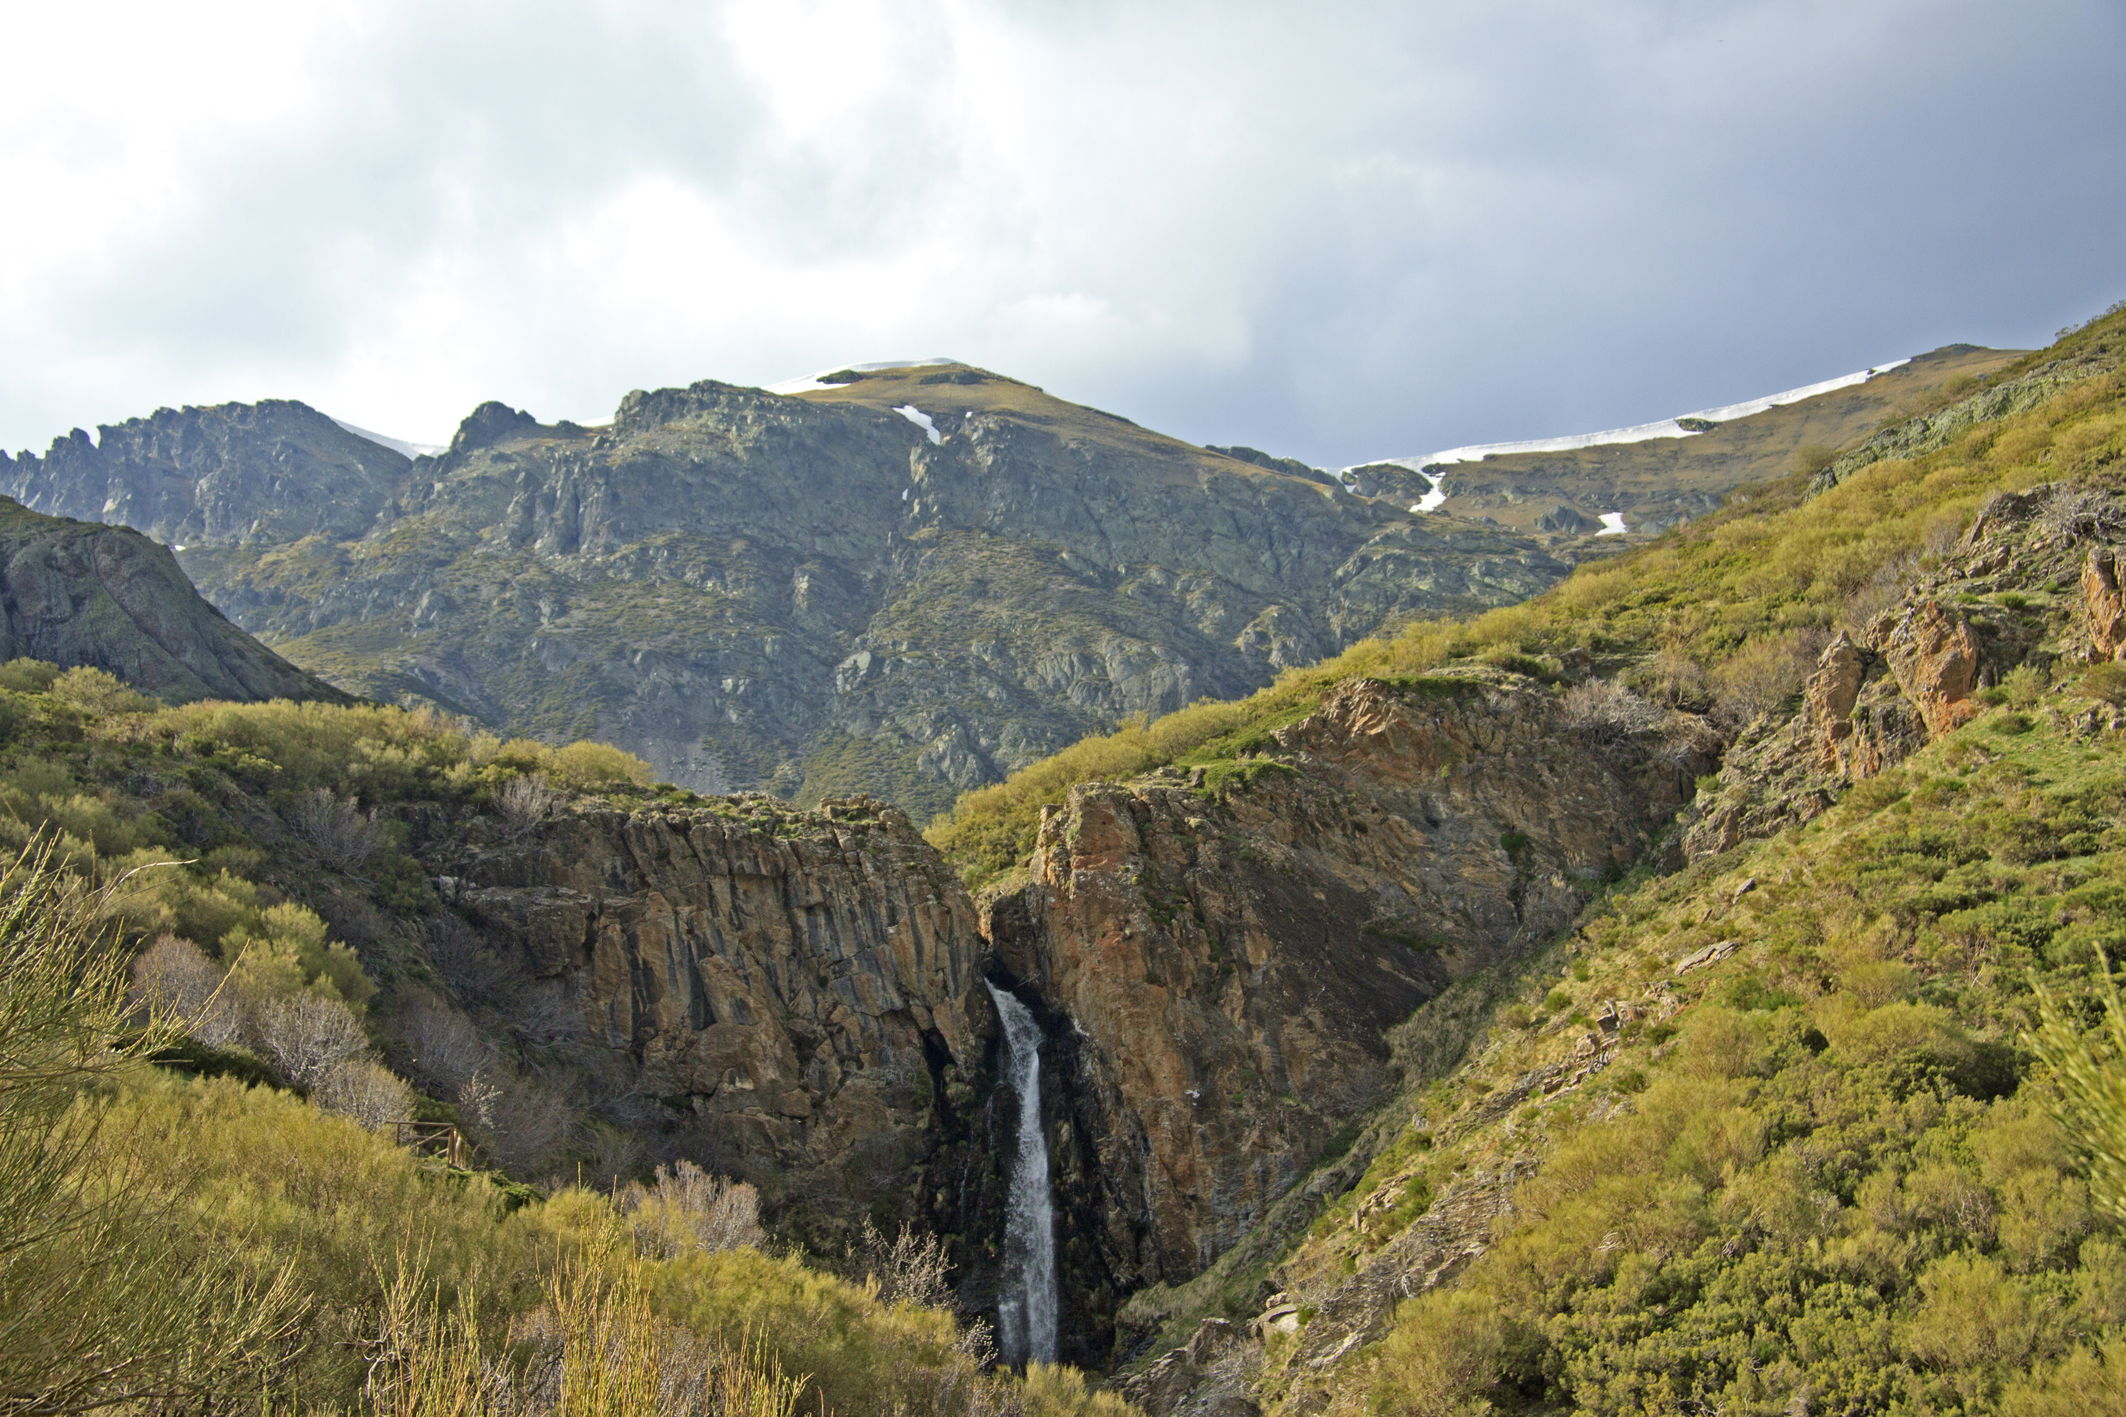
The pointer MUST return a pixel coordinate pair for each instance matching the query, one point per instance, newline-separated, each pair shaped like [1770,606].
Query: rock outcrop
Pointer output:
[2103,604]
[1915,671]
[78,593]
[791,998]
[1935,656]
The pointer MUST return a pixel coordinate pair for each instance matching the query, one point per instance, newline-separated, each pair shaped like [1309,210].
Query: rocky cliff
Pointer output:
[794,999]
[1226,950]
[78,593]
[812,595]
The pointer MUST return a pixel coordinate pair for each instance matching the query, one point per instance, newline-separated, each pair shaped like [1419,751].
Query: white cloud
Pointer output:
[1375,227]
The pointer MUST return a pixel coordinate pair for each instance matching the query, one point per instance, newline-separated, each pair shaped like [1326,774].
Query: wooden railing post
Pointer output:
[441,1140]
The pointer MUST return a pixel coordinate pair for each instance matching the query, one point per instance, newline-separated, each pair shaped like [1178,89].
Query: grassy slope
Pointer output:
[1708,596]
[1516,489]
[1822,1166]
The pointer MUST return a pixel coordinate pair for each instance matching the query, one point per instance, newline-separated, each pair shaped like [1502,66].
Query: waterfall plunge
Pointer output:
[1026,1313]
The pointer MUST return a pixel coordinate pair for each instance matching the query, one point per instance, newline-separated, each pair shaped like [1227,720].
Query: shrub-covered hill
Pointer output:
[1769,1129]
[205,1245]
[1768,1134]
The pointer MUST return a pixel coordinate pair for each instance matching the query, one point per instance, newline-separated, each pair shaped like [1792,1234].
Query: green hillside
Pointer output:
[1823,1164]
[205,1208]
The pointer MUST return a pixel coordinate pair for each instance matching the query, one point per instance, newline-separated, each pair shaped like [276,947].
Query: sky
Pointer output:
[1338,231]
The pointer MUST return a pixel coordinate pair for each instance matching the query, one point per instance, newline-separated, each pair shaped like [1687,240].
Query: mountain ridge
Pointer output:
[756,590]
[770,591]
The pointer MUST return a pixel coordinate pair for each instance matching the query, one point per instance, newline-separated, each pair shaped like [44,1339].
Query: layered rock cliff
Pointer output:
[794,999]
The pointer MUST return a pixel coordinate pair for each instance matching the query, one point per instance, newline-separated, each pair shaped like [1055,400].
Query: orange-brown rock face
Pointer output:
[1830,696]
[1853,718]
[2103,604]
[1230,959]
[796,1001]
[1935,656]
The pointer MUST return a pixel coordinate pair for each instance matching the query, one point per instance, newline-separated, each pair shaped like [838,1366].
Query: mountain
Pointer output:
[1614,1002]
[812,594]
[84,594]
[905,579]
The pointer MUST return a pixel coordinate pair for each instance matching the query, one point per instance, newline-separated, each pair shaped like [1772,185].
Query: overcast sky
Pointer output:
[1338,232]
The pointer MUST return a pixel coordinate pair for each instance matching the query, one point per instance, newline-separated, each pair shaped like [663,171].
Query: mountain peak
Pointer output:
[489,424]
[841,374]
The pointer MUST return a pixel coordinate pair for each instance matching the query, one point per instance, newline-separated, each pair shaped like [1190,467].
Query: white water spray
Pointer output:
[1026,1315]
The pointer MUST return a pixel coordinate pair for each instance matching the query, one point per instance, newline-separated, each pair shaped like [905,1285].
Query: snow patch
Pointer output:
[1639,432]
[817,381]
[1431,500]
[1806,391]
[398,445]
[1612,524]
[921,420]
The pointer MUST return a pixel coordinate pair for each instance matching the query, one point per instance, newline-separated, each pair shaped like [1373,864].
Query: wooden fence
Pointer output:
[440,1140]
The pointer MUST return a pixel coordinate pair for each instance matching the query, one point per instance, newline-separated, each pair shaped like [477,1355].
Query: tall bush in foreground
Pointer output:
[102,1300]
[2092,1105]
[595,1348]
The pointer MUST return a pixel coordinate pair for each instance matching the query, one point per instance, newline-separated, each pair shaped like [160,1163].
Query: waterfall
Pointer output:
[1026,1313]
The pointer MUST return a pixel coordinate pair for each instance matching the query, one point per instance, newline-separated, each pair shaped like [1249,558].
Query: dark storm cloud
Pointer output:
[1378,229]
[1636,214]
